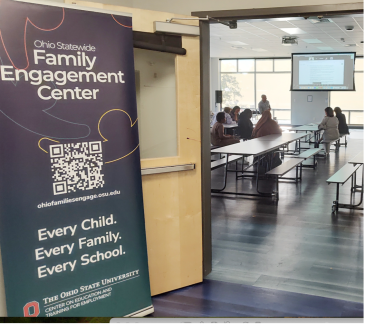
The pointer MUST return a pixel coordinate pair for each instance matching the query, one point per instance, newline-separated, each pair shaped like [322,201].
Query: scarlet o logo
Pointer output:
[31,309]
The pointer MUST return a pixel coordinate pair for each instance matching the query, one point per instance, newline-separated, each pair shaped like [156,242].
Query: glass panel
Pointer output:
[282,114]
[264,65]
[156,103]
[228,65]
[238,90]
[246,65]
[350,100]
[282,65]
[359,64]
[357,118]
[276,87]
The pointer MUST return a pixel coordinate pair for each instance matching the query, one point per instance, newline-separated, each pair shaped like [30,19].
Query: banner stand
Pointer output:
[72,227]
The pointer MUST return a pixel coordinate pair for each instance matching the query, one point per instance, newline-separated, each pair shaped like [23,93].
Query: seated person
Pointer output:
[266,126]
[342,125]
[227,112]
[245,126]
[330,126]
[234,113]
[217,133]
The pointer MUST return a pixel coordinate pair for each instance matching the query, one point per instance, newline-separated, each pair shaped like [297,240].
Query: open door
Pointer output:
[168,99]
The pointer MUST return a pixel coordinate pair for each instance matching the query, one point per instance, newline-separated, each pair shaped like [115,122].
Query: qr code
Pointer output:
[76,166]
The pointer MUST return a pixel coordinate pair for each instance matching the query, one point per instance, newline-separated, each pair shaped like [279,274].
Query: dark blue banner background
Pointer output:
[91,173]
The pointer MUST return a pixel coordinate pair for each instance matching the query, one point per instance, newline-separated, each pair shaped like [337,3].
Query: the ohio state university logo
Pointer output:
[31,309]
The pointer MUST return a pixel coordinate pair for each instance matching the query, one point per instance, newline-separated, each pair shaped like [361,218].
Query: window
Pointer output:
[264,65]
[246,65]
[352,102]
[276,86]
[229,66]
[243,87]
[243,81]
[282,65]
[156,103]
[359,64]
[238,89]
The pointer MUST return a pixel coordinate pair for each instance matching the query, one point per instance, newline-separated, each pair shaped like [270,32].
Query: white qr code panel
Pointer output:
[76,166]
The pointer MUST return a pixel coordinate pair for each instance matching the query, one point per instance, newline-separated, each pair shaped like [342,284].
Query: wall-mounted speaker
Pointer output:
[218,96]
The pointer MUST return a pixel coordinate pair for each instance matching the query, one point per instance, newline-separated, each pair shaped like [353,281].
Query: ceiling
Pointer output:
[262,38]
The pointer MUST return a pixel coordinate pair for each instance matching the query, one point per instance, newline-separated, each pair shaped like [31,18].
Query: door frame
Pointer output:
[328,10]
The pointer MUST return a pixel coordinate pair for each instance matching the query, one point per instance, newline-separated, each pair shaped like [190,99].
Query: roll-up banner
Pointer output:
[72,222]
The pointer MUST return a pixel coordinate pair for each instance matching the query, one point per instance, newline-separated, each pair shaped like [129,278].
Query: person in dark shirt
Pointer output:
[342,125]
[245,126]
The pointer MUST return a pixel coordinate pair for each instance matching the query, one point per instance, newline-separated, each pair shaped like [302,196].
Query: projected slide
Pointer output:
[330,71]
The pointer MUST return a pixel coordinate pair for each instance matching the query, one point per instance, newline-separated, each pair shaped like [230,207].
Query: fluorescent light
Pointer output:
[325,48]
[259,49]
[312,41]
[236,43]
[293,31]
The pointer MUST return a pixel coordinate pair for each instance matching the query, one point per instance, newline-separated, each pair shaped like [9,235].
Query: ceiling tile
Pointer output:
[238,43]
[281,24]
[265,36]
[312,41]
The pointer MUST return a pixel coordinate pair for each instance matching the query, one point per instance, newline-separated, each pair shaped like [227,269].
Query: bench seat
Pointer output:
[308,153]
[342,175]
[285,167]
[217,164]
[335,142]
[282,169]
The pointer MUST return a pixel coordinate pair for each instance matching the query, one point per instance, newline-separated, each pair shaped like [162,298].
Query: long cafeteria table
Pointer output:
[309,128]
[258,147]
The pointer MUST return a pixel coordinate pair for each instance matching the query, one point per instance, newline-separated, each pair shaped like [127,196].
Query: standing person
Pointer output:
[266,126]
[245,126]
[234,113]
[330,126]
[264,104]
[343,129]
[217,133]
[227,112]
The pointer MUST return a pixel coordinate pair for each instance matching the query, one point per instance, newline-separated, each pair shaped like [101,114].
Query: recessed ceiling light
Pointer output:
[293,31]
[236,43]
[325,48]
[312,41]
[350,45]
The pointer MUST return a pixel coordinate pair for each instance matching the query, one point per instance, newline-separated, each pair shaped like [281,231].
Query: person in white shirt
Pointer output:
[227,112]
[264,104]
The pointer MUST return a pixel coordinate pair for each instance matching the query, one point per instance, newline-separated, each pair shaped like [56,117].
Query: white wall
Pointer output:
[214,83]
[304,112]
[187,6]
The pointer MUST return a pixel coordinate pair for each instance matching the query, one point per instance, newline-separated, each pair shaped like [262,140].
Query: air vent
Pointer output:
[289,40]
[350,45]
